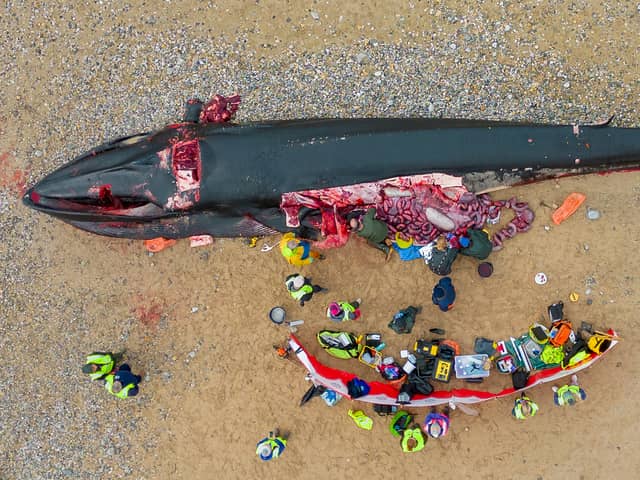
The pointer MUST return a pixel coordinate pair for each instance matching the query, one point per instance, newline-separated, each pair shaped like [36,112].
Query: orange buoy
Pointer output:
[568,207]
[155,245]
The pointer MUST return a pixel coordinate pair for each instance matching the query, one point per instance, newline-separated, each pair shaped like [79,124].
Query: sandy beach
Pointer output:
[194,321]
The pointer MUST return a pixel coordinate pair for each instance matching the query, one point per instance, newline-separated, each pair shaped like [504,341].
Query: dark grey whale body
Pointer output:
[235,174]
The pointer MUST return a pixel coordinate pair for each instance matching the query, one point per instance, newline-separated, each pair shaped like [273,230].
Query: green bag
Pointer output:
[481,245]
[339,344]
[404,320]
[400,422]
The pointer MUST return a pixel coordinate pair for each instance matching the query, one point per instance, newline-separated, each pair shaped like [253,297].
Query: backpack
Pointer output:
[404,320]
[560,332]
[485,346]
[400,422]
[404,394]
[539,333]
[481,245]
[599,343]
[519,378]
[357,388]
[575,353]
[556,312]
[448,350]
[339,344]
[391,371]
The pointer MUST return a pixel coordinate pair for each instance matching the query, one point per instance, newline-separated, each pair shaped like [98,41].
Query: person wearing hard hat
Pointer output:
[343,311]
[300,288]
[413,440]
[123,383]
[100,364]
[271,446]
[569,394]
[524,408]
[298,252]
[436,424]
[476,243]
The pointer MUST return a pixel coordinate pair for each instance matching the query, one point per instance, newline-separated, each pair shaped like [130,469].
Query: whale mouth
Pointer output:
[97,202]
[123,184]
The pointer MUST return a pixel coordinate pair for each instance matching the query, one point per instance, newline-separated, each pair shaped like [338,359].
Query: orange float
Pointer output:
[155,245]
[568,207]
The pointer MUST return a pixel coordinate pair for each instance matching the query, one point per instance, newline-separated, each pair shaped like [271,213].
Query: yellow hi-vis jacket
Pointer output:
[108,385]
[518,410]
[294,255]
[104,362]
[415,433]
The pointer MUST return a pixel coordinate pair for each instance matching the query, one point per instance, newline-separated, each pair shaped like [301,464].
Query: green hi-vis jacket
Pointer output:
[301,292]
[518,408]
[415,433]
[104,362]
[108,385]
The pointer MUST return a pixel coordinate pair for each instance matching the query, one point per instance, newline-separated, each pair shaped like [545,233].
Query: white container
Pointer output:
[471,366]
[409,367]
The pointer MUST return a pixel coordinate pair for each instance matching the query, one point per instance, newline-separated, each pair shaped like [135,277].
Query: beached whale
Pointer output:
[228,180]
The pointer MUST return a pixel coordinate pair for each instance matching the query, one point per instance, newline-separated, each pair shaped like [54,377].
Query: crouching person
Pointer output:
[271,447]
[343,311]
[524,408]
[301,289]
[436,424]
[123,383]
[569,394]
[413,440]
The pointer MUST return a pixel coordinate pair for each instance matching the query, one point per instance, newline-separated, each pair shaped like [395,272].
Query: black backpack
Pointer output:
[404,320]
[357,388]
[571,350]
[404,394]
[519,378]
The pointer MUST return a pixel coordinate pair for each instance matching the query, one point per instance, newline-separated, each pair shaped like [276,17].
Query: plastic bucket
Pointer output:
[397,384]
[277,315]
